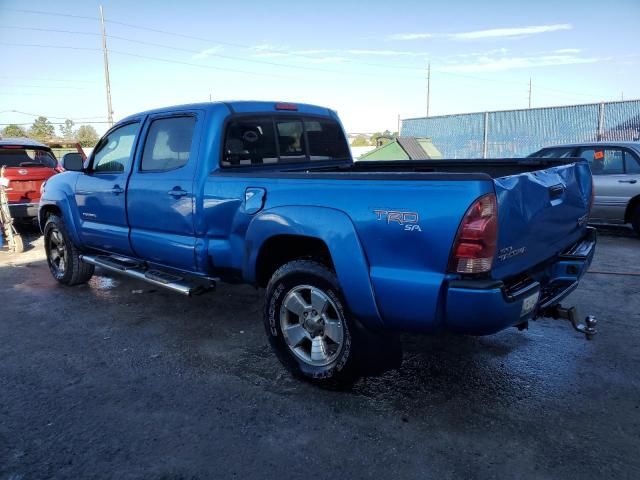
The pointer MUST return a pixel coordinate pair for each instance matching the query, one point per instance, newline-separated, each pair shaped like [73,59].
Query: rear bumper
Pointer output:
[23,210]
[482,307]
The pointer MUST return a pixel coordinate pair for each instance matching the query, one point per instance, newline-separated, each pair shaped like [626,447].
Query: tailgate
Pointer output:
[25,183]
[540,214]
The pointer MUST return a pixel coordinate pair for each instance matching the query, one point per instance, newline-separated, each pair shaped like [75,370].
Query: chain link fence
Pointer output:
[517,133]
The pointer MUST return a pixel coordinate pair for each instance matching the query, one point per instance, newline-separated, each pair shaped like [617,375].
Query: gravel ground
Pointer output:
[119,380]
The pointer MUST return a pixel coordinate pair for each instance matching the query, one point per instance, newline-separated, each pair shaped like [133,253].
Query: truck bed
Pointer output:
[473,169]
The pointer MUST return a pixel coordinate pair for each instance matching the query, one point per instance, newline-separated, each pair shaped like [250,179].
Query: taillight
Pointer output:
[475,244]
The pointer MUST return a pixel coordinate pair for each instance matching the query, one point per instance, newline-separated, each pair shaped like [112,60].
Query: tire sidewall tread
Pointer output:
[76,271]
[310,272]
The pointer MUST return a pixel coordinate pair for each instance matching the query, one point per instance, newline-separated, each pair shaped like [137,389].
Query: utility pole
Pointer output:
[106,69]
[529,92]
[622,96]
[428,86]
[398,125]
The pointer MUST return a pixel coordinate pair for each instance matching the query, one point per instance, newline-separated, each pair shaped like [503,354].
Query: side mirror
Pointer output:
[73,161]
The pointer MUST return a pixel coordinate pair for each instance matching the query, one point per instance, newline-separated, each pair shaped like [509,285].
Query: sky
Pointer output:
[367,60]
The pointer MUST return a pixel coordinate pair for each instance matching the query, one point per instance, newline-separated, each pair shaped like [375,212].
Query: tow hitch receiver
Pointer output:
[558,312]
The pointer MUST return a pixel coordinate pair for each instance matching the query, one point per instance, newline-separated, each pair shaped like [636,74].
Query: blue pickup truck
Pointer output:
[349,253]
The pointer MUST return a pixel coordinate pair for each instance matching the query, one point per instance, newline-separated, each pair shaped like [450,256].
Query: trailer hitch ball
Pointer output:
[588,328]
[590,323]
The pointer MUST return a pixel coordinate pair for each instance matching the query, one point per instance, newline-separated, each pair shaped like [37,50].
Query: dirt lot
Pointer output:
[119,380]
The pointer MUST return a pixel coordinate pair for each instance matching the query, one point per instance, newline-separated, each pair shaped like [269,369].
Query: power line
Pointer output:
[55,14]
[51,86]
[287,53]
[49,79]
[237,45]
[201,39]
[49,46]
[212,54]
[55,123]
[50,116]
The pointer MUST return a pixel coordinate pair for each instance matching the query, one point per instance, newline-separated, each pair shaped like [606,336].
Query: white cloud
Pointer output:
[567,50]
[266,54]
[207,52]
[513,32]
[410,36]
[509,32]
[387,53]
[487,64]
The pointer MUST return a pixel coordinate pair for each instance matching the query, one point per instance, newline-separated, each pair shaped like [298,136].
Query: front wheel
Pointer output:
[311,329]
[63,257]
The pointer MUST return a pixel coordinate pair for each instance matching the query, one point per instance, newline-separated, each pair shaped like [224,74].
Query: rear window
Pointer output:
[26,157]
[265,140]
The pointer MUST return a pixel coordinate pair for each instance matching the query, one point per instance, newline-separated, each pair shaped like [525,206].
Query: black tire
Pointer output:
[635,219]
[75,271]
[362,352]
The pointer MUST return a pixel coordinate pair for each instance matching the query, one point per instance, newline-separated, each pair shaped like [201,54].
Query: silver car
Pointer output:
[616,177]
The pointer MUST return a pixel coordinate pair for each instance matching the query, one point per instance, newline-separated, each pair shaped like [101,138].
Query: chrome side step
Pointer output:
[159,278]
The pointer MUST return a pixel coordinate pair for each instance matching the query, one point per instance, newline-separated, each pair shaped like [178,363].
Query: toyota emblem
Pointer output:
[23,171]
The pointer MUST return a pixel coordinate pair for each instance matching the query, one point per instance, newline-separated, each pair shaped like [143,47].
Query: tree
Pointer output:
[87,136]
[14,131]
[360,141]
[383,137]
[41,129]
[66,130]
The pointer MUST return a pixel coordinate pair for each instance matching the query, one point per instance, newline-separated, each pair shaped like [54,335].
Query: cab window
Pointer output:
[260,140]
[168,144]
[113,153]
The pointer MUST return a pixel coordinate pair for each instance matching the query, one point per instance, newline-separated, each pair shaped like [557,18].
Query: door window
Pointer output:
[168,144]
[113,154]
[604,161]
[631,163]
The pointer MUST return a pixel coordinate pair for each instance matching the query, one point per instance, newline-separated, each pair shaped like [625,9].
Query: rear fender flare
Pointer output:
[337,231]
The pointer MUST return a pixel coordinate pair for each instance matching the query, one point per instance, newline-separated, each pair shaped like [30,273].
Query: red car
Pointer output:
[27,165]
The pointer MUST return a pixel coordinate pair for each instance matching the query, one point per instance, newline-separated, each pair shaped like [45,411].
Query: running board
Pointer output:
[160,278]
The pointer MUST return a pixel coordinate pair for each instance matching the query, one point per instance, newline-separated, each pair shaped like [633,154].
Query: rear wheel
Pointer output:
[312,331]
[635,219]
[63,256]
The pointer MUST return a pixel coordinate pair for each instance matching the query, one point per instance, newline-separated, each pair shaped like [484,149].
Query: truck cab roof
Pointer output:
[243,106]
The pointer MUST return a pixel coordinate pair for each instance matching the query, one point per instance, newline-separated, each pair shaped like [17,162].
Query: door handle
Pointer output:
[117,190]
[177,192]
[628,181]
